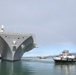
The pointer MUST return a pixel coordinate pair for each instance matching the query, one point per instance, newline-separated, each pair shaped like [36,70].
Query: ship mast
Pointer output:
[2,28]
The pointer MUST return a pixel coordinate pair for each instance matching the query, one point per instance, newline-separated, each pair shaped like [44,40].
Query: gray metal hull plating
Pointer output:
[13,46]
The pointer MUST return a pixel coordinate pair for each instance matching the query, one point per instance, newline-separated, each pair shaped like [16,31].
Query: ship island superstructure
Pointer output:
[14,45]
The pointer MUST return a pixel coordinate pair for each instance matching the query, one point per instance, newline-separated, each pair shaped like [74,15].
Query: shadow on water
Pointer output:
[16,68]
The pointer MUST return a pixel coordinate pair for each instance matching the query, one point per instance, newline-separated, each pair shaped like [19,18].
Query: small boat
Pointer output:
[65,56]
[42,57]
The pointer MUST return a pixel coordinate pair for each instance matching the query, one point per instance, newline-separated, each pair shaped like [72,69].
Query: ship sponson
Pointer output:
[14,45]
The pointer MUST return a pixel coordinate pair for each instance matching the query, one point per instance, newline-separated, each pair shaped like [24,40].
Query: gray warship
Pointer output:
[14,45]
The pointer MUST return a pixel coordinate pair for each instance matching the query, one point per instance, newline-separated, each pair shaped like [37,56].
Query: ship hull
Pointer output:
[65,60]
[13,46]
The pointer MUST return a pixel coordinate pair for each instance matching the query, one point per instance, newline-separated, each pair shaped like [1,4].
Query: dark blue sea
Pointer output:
[33,66]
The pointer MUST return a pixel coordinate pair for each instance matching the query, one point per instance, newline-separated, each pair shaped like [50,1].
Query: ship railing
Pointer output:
[13,33]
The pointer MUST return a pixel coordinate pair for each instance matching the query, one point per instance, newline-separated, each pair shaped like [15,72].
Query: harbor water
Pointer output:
[36,67]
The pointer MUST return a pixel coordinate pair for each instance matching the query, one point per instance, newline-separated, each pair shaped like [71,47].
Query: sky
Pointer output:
[53,22]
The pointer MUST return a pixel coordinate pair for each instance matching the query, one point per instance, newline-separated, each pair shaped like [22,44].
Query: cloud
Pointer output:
[52,21]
